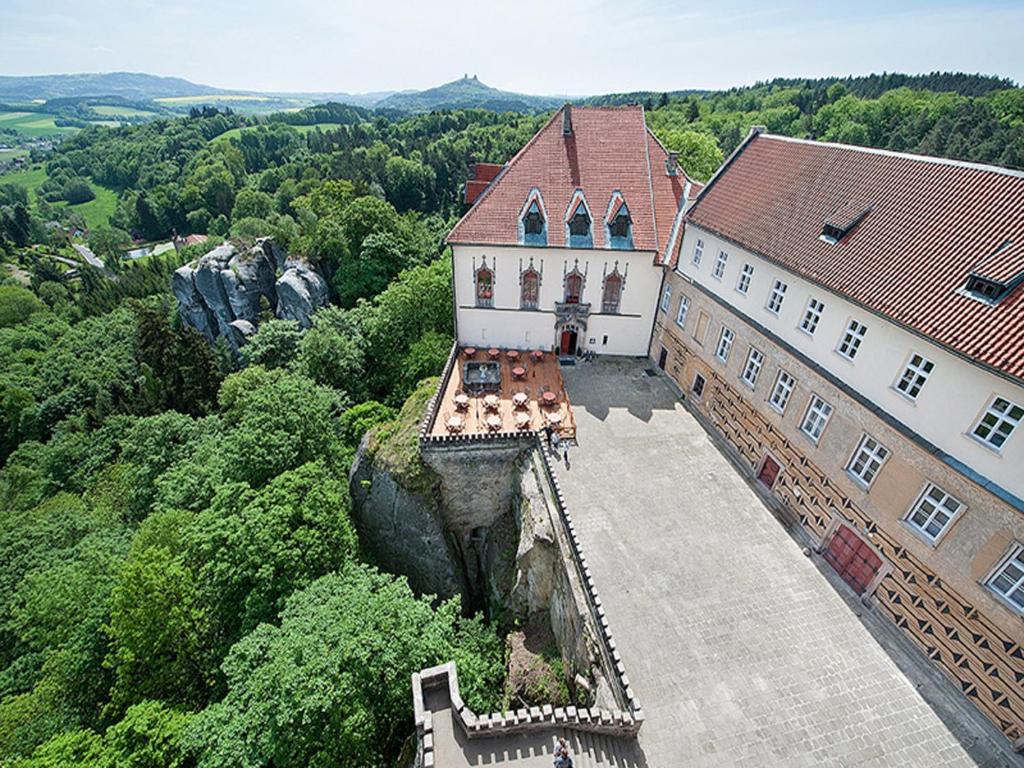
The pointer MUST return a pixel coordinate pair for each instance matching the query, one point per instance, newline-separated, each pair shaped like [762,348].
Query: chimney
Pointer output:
[567,120]
[672,164]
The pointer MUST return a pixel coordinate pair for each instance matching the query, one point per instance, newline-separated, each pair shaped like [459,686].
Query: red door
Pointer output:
[568,342]
[769,471]
[853,558]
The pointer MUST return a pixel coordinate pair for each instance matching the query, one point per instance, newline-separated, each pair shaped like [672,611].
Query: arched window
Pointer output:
[484,287]
[578,224]
[612,294]
[530,292]
[573,288]
[533,226]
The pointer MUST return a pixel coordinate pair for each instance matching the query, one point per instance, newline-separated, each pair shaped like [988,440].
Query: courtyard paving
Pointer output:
[742,652]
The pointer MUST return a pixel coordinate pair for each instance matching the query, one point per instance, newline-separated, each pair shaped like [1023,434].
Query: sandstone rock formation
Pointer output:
[223,293]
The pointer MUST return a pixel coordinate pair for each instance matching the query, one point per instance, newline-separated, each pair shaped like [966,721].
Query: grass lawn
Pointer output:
[7,154]
[96,212]
[32,123]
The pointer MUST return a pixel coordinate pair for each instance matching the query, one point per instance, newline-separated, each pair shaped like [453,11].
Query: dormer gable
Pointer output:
[533,220]
[618,224]
[579,224]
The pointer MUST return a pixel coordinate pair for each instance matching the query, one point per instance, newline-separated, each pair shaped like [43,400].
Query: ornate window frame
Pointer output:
[616,205]
[571,273]
[533,198]
[479,299]
[613,308]
[579,241]
[523,272]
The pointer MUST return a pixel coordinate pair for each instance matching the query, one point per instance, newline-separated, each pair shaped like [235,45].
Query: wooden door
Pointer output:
[853,558]
[769,471]
[568,342]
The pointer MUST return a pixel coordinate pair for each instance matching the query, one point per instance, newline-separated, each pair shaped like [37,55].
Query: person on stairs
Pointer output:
[563,759]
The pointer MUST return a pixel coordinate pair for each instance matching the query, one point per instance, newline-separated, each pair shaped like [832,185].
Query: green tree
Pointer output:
[699,154]
[359,419]
[330,353]
[252,203]
[274,345]
[330,685]
[365,216]
[17,305]
[109,243]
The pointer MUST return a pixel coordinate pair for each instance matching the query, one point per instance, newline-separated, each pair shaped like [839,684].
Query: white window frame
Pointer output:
[724,346]
[666,297]
[698,252]
[873,455]
[785,383]
[812,315]
[776,297]
[1001,418]
[1014,557]
[938,507]
[743,281]
[818,405]
[852,338]
[684,307]
[720,263]
[693,387]
[914,376]
[752,368]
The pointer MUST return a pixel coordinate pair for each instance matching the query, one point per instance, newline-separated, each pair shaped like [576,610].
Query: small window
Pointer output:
[776,296]
[932,513]
[535,230]
[989,290]
[780,393]
[620,228]
[809,323]
[698,253]
[755,359]
[573,288]
[484,287]
[816,418]
[743,283]
[612,294]
[530,293]
[867,460]
[684,306]
[719,270]
[914,376]
[724,344]
[998,423]
[698,385]
[666,297]
[579,227]
[852,338]
[1008,580]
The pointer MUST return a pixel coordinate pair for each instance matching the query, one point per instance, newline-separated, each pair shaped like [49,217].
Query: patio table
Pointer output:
[549,398]
[491,402]
[520,399]
[518,372]
[455,424]
[493,422]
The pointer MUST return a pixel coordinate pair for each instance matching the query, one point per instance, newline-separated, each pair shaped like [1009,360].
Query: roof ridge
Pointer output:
[504,169]
[893,153]
[650,180]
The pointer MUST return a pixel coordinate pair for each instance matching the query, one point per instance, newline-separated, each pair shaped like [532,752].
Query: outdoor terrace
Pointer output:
[507,390]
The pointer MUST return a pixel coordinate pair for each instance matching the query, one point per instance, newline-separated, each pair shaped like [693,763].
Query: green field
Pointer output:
[32,123]
[234,133]
[96,212]
[7,154]
[111,111]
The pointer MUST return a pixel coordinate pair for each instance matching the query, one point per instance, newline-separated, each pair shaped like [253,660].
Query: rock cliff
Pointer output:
[223,293]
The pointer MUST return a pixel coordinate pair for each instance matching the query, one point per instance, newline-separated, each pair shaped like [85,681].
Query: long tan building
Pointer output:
[851,322]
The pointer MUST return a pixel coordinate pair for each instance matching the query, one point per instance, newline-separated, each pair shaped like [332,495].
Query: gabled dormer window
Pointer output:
[619,224]
[578,223]
[995,276]
[533,221]
[842,221]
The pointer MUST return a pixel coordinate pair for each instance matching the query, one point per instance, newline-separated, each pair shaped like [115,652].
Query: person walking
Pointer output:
[556,443]
[548,432]
[565,453]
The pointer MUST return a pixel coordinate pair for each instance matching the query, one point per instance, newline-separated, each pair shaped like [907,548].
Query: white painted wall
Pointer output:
[506,325]
[945,412]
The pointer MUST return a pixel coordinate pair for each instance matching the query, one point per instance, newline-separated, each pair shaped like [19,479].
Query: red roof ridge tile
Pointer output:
[894,153]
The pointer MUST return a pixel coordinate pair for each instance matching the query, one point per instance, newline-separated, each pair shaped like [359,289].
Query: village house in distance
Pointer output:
[850,321]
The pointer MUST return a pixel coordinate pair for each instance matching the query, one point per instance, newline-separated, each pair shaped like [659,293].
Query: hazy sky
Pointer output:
[536,46]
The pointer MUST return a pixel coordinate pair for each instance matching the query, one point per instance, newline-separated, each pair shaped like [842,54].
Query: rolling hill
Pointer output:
[134,85]
[464,93]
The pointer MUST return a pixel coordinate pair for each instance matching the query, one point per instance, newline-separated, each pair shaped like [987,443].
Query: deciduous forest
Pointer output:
[180,579]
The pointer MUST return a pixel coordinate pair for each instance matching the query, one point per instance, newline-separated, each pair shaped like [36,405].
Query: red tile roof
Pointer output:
[931,223]
[609,149]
